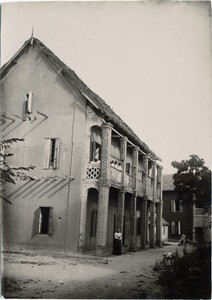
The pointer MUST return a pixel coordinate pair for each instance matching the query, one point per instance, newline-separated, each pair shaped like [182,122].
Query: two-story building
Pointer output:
[92,173]
[183,216]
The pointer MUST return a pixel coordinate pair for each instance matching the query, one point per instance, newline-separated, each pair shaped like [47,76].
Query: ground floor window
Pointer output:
[43,220]
[175,228]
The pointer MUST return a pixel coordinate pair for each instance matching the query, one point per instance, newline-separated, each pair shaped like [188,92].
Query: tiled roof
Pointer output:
[105,110]
[168,182]
[164,222]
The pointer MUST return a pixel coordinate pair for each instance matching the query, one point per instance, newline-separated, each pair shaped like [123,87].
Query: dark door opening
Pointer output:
[44,220]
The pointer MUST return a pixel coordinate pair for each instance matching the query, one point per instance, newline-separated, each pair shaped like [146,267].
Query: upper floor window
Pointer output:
[95,151]
[28,103]
[51,153]
[176,205]
[128,168]
[95,144]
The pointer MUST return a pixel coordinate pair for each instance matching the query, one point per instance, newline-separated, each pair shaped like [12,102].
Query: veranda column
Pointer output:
[133,222]
[152,224]
[104,187]
[133,201]
[144,223]
[154,180]
[121,198]
[146,161]
[160,188]
[159,209]
[144,216]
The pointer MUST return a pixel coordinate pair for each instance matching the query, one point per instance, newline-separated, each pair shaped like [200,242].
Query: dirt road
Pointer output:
[45,274]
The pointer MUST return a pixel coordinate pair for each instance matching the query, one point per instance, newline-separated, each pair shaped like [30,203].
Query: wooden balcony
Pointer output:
[140,187]
[150,191]
[129,181]
[93,174]
[115,175]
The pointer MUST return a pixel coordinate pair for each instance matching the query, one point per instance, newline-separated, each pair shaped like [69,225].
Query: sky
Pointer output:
[150,61]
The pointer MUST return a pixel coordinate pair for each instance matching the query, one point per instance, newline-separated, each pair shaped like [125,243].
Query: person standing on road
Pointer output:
[182,241]
[117,247]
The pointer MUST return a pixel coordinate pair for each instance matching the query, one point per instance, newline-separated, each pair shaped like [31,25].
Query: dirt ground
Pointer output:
[51,275]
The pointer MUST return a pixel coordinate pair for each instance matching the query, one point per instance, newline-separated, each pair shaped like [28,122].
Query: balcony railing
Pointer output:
[93,170]
[93,173]
[150,191]
[115,175]
[140,186]
[129,181]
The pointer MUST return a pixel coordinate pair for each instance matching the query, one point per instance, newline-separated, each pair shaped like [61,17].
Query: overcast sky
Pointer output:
[150,61]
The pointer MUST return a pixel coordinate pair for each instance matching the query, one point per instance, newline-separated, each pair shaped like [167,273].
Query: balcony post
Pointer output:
[121,195]
[159,182]
[146,160]
[135,168]
[104,188]
[133,222]
[120,212]
[123,154]
[154,180]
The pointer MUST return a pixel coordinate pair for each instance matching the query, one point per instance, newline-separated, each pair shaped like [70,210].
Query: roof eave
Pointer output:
[85,92]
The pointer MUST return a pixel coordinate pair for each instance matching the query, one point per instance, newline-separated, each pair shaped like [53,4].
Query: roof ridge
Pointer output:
[105,109]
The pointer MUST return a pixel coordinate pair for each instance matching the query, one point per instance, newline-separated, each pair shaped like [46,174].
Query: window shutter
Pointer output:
[25,111]
[181,206]
[173,206]
[50,225]
[56,153]
[179,228]
[46,153]
[128,168]
[96,153]
[93,150]
[30,102]
[172,227]
[35,225]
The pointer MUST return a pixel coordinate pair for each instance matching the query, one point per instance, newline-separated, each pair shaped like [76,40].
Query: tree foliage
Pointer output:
[193,180]
[8,173]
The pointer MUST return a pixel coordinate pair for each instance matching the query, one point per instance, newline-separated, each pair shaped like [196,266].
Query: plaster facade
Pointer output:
[95,180]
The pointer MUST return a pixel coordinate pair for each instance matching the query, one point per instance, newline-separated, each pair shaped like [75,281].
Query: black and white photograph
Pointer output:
[105,149]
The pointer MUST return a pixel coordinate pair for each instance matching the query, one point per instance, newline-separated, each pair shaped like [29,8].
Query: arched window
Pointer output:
[95,144]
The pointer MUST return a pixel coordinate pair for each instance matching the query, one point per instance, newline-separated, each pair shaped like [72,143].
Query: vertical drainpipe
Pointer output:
[70,173]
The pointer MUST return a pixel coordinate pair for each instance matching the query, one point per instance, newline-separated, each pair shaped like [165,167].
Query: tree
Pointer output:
[193,180]
[8,173]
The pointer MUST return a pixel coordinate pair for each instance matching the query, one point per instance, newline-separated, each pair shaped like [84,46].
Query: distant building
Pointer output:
[182,215]
[93,174]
